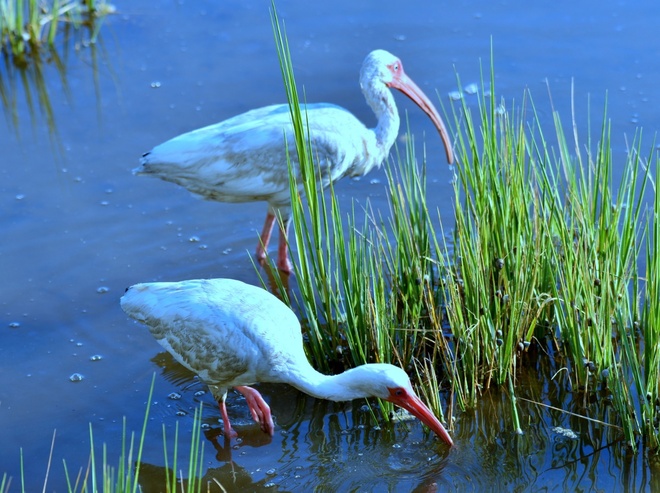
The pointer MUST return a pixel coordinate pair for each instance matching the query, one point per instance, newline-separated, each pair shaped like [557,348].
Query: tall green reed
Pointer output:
[598,231]
[640,340]
[648,384]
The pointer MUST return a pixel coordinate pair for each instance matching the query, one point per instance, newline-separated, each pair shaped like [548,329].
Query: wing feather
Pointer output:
[244,158]
[227,332]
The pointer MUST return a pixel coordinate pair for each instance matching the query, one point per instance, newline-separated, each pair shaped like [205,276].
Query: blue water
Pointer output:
[78,228]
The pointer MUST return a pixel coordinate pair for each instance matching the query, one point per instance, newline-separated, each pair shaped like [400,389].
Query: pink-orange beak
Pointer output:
[413,404]
[405,84]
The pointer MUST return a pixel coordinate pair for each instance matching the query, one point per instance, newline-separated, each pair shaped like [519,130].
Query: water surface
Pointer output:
[78,228]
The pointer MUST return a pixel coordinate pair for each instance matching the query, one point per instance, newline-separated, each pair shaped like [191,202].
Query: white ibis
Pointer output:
[243,159]
[233,334]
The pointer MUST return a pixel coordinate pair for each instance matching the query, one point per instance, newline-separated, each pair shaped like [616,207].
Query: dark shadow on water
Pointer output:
[174,372]
[226,478]
[249,436]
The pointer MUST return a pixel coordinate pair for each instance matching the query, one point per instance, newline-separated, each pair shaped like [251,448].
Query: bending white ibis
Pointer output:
[233,335]
[243,158]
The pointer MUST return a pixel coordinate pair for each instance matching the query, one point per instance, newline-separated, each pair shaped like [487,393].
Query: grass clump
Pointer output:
[497,277]
[543,265]
[345,274]
[645,364]
[546,260]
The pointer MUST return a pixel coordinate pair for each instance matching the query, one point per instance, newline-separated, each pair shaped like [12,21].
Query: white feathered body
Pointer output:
[215,328]
[244,158]
[234,335]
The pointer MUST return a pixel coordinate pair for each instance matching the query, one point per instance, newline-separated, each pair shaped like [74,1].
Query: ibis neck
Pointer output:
[340,387]
[381,101]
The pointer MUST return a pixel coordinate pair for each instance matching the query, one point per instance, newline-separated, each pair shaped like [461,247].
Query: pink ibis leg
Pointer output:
[259,409]
[262,247]
[229,431]
[283,262]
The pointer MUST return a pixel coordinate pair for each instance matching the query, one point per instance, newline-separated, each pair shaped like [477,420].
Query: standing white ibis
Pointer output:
[233,334]
[243,159]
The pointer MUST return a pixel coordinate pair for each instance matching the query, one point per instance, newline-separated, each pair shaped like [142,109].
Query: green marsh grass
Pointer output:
[5,483]
[546,251]
[497,277]
[646,368]
[543,257]
[640,340]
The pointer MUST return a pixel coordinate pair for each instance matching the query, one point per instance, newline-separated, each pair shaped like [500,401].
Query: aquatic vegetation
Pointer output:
[5,483]
[542,263]
[27,25]
[574,244]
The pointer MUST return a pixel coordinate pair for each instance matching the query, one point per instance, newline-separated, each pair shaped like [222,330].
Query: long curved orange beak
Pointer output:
[414,405]
[405,84]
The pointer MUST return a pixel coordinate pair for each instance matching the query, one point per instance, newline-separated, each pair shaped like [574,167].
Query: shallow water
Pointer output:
[79,227]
